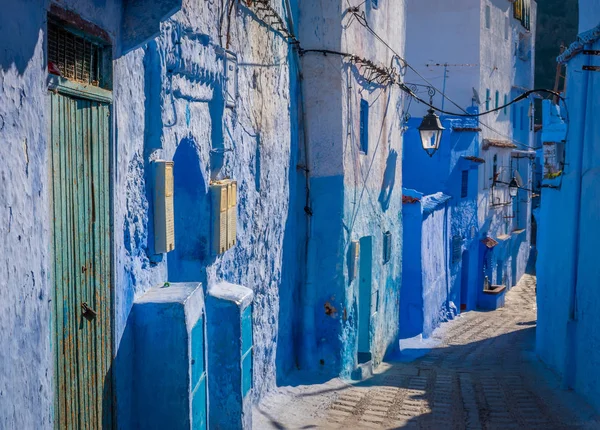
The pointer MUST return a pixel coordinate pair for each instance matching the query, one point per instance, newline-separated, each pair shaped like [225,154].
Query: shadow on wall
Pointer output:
[293,270]
[389,180]
[192,211]
[20,21]
[121,373]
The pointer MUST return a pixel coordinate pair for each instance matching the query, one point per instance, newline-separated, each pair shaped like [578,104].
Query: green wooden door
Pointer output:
[80,175]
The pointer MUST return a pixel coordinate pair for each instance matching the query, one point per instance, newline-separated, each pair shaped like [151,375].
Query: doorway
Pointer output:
[368,299]
[80,169]
[464,281]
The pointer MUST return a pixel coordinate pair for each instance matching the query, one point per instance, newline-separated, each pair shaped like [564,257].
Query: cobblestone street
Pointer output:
[482,374]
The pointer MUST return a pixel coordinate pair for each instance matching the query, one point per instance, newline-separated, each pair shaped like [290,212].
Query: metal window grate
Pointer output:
[73,56]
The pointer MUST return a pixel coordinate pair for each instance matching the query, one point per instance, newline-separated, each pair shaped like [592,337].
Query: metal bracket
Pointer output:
[592,68]
[591,52]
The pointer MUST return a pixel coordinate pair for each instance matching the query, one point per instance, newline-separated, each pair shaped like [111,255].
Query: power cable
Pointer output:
[388,75]
[362,20]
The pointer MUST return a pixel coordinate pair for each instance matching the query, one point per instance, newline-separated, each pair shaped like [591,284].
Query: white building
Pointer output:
[478,55]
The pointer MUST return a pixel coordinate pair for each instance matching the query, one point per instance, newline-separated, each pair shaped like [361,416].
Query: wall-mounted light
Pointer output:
[513,188]
[431,132]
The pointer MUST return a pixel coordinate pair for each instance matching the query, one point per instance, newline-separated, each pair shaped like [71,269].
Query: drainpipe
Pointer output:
[570,344]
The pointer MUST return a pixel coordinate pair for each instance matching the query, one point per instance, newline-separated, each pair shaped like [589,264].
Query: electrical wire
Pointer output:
[388,75]
[362,20]
[523,96]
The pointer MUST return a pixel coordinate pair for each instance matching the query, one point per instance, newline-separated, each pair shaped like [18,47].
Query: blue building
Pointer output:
[124,118]
[477,61]
[568,274]
[181,210]
[352,156]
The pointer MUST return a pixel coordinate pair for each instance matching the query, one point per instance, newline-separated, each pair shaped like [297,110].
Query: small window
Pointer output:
[488,16]
[488,97]
[483,178]
[464,187]
[387,247]
[364,126]
[497,99]
[505,104]
[522,119]
[457,243]
[506,27]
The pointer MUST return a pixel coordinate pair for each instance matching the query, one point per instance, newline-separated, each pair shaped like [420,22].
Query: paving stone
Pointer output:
[478,377]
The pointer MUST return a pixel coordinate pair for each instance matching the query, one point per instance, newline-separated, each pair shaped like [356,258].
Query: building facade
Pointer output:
[567,335]
[476,56]
[352,156]
[126,122]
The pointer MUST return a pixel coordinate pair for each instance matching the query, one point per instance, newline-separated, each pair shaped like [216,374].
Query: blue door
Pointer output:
[367,298]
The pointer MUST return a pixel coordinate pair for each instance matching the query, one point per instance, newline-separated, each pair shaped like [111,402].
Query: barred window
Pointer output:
[75,57]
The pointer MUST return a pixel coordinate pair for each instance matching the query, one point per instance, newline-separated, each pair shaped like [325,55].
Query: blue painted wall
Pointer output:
[229,310]
[168,104]
[568,298]
[435,278]
[354,194]
[169,334]
[26,390]
[469,217]
[428,295]
[411,293]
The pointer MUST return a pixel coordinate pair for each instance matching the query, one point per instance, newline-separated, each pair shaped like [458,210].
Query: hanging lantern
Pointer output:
[513,187]
[431,132]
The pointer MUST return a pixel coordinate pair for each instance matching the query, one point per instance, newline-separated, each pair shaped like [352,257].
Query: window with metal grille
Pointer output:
[75,57]
[464,188]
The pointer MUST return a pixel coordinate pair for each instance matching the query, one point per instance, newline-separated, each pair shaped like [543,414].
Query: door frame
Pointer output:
[366,292]
[76,90]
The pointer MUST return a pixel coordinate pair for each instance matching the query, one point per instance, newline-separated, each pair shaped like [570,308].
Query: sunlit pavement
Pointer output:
[480,373]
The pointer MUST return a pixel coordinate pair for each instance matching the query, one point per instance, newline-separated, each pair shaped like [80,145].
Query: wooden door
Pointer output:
[81,227]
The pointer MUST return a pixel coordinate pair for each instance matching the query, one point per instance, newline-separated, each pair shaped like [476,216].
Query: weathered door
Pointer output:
[367,299]
[80,172]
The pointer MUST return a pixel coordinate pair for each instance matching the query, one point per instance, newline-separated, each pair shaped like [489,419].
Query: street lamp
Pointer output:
[431,132]
[513,188]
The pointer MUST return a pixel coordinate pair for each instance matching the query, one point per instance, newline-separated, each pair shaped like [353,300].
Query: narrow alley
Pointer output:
[481,373]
